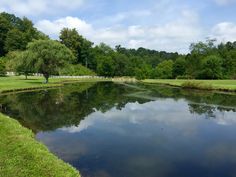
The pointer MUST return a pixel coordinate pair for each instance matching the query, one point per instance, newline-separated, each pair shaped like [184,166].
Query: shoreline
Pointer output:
[207,85]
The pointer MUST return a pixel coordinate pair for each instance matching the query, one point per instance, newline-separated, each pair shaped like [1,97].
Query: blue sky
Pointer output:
[169,25]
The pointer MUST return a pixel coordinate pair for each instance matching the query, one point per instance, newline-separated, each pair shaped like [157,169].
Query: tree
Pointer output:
[48,56]
[2,67]
[15,40]
[4,28]
[211,68]
[106,66]
[80,46]
[144,72]
[70,38]
[17,62]
[164,70]
[179,67]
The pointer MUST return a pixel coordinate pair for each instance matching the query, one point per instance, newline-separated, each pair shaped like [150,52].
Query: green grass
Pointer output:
[22,156]
[17,83]
[224,85]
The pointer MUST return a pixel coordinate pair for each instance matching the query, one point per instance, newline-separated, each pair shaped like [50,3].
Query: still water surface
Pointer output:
[125,130]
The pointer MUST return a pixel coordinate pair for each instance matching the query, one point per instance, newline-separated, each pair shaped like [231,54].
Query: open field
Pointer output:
[223,85]
[21,155]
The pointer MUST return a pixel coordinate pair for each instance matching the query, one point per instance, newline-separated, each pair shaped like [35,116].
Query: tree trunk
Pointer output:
[46,76]
[26,76]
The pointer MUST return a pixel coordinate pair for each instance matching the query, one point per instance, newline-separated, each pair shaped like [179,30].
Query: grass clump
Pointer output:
[197,85]
[22,156]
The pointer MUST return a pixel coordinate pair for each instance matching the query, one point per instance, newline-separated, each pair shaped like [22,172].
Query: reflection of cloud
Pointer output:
[168,112]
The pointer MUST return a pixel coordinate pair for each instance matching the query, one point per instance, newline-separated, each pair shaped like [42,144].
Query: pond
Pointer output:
[132,130]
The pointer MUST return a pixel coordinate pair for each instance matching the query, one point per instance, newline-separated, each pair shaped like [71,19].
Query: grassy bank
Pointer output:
[222,85]
[22,156]
[18,83]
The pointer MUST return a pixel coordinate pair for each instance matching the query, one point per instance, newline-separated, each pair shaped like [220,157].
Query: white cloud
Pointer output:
[225,2]
[175,35]
[53,28]
[34,8]
[225,31]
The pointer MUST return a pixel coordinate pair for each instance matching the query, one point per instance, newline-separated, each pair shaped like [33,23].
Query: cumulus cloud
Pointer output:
[39,7]
[225,31]
[175,35]
[53,28]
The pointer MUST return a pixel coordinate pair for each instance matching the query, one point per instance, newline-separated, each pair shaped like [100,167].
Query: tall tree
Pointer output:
[48,56]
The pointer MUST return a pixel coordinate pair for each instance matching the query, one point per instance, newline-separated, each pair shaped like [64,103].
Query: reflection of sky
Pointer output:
[158,138]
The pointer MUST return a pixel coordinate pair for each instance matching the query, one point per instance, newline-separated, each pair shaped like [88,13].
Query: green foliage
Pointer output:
[19,63]
[164,70]
[143,73]
[15,40]
[80,46]
[16,33]
[2,67]
[47,57]
[211,68]
[179,67]
[106,66]
[76,70]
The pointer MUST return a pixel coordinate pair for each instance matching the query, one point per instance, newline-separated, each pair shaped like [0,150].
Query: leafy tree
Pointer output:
[106,66]
[80,46]
[48,56]
[2,67]
[144,72]
[19,63]
[71,39]
[4,28]
[179,67]
[164,70]
[15,40]
[16,33]
[211,68]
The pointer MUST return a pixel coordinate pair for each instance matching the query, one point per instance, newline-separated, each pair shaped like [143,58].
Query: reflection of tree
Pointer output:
[208,111]
[67,106]
[201,101]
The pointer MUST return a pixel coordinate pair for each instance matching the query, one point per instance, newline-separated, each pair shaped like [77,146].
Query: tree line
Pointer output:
[26,50]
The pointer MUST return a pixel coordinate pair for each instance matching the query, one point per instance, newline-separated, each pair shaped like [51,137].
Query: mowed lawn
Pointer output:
[15,83]
[229,85]
[19,82]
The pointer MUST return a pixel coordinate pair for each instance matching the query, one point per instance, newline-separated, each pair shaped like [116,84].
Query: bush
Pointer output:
[197,85]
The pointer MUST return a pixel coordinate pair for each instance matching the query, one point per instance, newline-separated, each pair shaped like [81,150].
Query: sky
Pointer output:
[170,25]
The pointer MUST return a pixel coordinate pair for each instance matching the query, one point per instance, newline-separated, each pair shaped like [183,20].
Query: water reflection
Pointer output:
[107,129]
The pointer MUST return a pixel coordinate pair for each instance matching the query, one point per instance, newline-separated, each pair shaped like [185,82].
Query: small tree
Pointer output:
[47,57]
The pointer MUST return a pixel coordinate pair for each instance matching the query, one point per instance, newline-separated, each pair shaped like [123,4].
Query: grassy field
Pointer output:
[16,83]
[22,156]
[224,85]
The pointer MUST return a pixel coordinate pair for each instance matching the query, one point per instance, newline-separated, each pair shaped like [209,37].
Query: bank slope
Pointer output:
[22,156]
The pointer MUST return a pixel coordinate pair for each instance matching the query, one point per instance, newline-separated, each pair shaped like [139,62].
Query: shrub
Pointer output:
[197,85]
[76,70]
